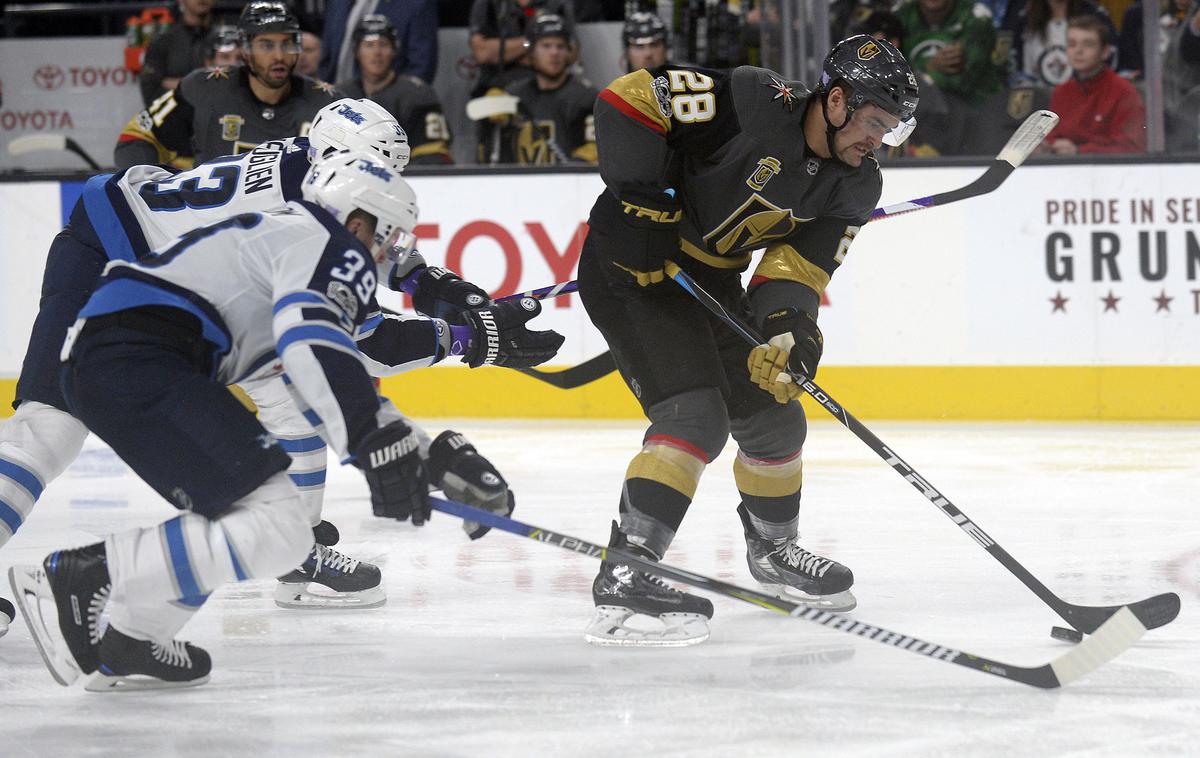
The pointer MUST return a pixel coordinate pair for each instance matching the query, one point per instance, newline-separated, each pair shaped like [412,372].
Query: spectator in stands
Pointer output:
[221,47]
[1101,111]
[498,38]
[554,121]
[1130,53]
[310,55]
[1181,85]
[645,38]
[411,101]
[1041,44]
[416,29]
[174,53]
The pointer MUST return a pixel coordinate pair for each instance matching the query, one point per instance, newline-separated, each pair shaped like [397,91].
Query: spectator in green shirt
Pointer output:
[954,41]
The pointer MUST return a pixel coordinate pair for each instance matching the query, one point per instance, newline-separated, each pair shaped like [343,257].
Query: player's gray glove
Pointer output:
[500,338]
[443,294]
[795,343]
[466,476]
[399,482]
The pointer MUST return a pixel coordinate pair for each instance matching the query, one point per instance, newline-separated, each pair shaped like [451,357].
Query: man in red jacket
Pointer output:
[1101,112]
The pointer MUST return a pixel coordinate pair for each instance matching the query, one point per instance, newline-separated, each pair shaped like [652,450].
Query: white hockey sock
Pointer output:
[283,418]
[161,575]
[36,446]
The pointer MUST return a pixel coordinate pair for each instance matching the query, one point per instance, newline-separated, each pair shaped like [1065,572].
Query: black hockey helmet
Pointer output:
[221,38]
[876,73]
[643,29]
[267,17]
[375,25]
[547,25]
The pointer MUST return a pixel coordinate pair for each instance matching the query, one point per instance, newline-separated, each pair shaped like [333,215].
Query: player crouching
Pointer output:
[146,369]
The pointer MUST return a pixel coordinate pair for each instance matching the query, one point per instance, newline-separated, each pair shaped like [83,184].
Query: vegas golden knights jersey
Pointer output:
[213,112]
[731,143]
[414,104]
[554,126]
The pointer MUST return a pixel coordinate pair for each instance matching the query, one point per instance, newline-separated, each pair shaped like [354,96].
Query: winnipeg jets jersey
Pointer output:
[279,290]
[145,208]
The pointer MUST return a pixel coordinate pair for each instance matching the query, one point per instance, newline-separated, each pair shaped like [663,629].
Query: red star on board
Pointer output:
[1164,302]
[1060,302]
[218,72]
[1110,302]
[783,92]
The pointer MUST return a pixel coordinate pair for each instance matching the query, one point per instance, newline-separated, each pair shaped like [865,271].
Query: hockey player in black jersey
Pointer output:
[227,111]
[410,101]
[703,168]
[554,123]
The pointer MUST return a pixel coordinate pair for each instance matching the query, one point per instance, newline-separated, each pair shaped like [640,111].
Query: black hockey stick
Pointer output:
[1020,146]
[1152,612]
[587,372]
[1109,641]
[34,142]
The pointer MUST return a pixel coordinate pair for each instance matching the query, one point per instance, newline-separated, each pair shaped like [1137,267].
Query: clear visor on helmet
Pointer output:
[397,245]
[879,125]
[895,137]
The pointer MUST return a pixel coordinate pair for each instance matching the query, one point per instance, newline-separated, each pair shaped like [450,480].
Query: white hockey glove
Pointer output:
[466,476]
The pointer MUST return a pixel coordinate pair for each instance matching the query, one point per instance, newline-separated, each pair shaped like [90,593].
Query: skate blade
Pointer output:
[298,597]
[99,682]
[609,629]
[838,602]
[32,595]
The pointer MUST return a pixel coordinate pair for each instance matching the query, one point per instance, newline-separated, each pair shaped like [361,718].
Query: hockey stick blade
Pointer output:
[32,143]
[1153,612]
[576,376]
[1115,636]
[487,106]
[1019,147]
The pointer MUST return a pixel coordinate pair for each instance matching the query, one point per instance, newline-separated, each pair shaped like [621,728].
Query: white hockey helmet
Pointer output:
[361,125]
[347,181]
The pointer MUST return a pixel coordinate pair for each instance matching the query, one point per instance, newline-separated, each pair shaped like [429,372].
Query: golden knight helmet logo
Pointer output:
[868,51]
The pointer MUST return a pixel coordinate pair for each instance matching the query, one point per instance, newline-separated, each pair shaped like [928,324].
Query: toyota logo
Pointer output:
[48,77]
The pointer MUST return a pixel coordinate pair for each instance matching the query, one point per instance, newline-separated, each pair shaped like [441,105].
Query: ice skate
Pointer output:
[127,664]
[76,584]
[636,608]
[340,581]
[788,571]
[7,614]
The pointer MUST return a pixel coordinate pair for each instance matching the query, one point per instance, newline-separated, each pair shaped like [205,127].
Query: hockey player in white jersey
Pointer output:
[123,216]
[146,368]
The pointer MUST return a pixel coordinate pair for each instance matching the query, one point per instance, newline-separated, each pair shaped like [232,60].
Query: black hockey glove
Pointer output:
[646,236]
[399,482]
[444,294]
[466,476]
[501,339]
[795,343]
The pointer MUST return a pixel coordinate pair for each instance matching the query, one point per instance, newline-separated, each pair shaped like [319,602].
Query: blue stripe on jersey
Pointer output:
[369,325]
[313,332]
[305,445]
[311,417]
[180,562]
[309,479]
[10,516]
[238,571]
[104,220]
[126,293]
[298,297]
[68,195]
[21,476]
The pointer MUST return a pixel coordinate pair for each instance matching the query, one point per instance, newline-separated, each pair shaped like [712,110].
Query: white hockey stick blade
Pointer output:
[32,143]
[491,105]
[1109,641]
[1027,137]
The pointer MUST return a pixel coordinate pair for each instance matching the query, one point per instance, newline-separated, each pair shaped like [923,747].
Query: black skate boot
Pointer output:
[7,614]
[76,582]
[789,571]
[347,583]
[128,664]
[621,592]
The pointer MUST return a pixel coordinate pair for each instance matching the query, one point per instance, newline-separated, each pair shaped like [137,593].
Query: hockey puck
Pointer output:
[1067,635]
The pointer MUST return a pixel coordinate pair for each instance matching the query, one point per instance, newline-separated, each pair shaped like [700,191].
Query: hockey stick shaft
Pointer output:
[1152,612]
[1020,146]
[1121,632]
[542,293]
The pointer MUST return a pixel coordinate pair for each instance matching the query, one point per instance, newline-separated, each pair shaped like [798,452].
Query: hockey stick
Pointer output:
[31,143]
[542,293]
[1019,147]
[1152,612]
[1109,641]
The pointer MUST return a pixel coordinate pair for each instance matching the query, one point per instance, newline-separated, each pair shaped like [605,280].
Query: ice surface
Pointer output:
[479,651]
